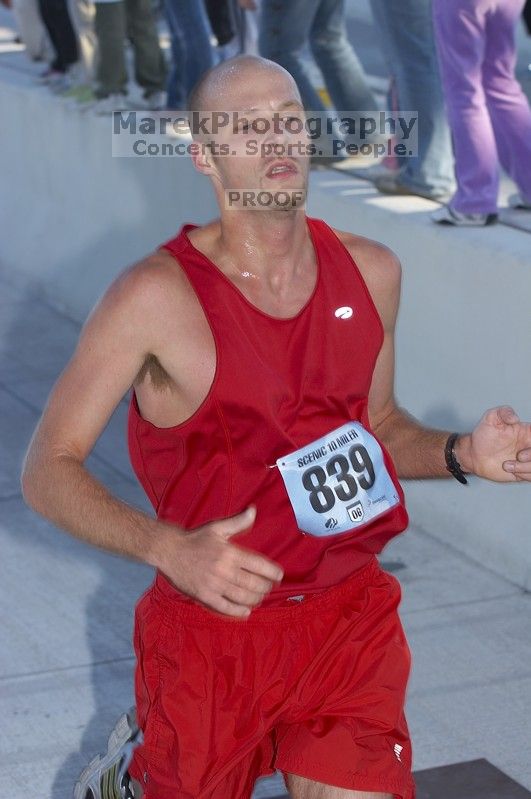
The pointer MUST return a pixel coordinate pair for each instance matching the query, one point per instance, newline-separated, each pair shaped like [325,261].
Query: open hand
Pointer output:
[205,564]
[499,447]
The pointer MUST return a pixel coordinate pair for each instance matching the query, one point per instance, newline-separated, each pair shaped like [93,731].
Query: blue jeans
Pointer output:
[286,26]
[408,43]
[191,50]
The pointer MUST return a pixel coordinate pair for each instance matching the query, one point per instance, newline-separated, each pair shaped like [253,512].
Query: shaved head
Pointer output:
[218,83]
[242,114]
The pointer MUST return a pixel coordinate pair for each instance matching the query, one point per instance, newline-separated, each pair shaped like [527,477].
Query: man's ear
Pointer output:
[203,160]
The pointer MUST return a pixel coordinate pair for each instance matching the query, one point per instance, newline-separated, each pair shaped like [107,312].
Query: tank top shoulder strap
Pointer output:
[180,247]
[330,242]
[336,255]
[330,245]
[205,278]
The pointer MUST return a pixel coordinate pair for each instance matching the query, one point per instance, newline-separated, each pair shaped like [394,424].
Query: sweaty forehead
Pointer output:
[239,88]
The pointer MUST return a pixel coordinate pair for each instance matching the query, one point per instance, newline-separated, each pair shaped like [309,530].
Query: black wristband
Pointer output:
[452,464]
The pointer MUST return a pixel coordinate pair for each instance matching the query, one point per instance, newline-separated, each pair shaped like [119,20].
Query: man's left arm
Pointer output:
[499,447]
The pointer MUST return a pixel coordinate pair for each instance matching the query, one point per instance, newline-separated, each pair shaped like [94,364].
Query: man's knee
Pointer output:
[304,788]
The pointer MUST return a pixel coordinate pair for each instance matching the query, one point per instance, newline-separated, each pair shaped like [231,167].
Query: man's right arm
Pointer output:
[117,337]
[111,350]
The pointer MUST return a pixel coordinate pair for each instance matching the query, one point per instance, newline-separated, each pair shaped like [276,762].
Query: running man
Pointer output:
[263,427]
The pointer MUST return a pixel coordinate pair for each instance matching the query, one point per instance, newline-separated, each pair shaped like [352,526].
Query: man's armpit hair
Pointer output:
[159,377]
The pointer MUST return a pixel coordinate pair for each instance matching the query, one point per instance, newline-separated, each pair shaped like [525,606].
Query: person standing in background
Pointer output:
[407,39]
[115,20]
[191,48]
[82,13]
[286,26]
[193,25]
[527,16]
[31,29]
[56,19]
[488,112]
[36,39]
[249,11]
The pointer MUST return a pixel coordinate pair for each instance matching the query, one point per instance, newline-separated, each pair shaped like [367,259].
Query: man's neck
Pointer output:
[275,247]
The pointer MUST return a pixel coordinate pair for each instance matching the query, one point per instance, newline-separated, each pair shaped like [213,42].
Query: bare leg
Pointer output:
[303,788]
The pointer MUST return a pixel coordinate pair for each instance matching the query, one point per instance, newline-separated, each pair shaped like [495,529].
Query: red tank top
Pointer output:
[279,385]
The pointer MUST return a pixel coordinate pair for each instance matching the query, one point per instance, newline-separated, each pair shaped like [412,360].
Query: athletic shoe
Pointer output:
[324,161]
[376,172]
[107,777]
[156,101]
[518,202]
[72,76]
[390,184]
[106,106]
[449,216]
[81,93]
[49,75]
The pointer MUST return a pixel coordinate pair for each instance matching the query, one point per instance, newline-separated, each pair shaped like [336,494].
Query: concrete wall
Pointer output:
[73,216]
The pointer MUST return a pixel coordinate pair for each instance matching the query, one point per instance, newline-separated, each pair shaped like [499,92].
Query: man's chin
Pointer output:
[269,196]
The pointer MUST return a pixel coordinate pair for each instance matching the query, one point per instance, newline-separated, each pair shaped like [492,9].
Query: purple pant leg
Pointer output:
[508,106]
[460,29]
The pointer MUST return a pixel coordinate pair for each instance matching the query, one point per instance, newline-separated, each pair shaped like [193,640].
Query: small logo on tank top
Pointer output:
[345,312]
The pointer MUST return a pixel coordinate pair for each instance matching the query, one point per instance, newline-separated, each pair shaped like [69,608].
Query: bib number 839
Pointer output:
[322,496]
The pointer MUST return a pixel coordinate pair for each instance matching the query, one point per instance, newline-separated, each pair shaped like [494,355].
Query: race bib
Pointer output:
[338,482]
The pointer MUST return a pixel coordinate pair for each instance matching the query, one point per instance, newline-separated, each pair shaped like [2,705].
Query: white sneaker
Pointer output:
[108,105]
[49,75]
[106,776]
[156,101]
[449,216]
[78,94]
[519,202]
[59,82]
[376,172]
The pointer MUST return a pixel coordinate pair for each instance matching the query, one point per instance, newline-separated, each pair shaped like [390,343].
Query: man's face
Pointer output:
[264,146]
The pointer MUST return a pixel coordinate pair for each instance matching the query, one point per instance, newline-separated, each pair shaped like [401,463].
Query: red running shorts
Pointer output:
[313,687]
